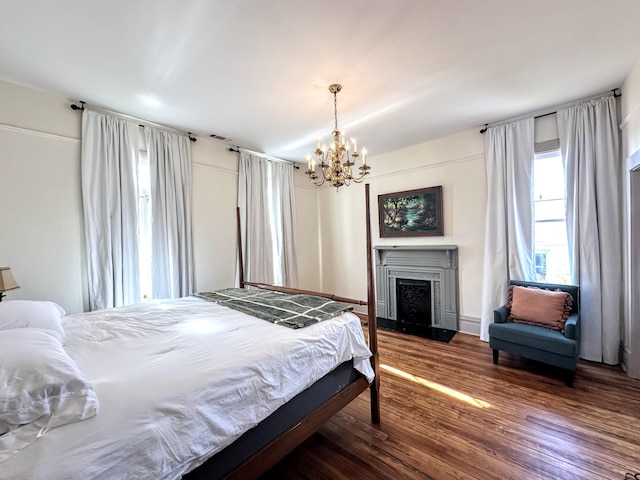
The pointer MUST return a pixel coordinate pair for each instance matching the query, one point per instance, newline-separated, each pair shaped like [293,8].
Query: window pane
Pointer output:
[552,253]
[551,234]
[144,224]
[548,177]
[549,210]
[551,247]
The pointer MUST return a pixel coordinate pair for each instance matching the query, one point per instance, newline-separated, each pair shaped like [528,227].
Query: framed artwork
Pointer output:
[413,213]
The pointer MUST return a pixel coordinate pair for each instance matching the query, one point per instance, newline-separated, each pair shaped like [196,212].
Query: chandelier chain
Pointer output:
[335,110]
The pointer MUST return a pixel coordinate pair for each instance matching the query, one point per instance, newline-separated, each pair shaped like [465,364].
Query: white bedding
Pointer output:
[178,381]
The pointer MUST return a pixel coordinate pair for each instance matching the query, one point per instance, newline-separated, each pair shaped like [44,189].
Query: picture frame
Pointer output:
[412,213]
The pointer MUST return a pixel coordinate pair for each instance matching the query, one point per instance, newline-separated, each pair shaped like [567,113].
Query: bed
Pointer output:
[190,387]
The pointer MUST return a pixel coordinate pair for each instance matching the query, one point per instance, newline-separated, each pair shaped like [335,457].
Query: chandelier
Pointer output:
[334,163]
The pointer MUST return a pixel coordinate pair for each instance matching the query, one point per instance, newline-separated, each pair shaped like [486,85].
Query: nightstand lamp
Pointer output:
[7,281]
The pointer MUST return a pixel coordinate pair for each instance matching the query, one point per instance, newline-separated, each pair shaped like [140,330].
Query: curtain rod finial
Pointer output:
[76,107]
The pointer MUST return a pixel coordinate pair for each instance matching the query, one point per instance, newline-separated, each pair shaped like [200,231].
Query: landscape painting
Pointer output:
[411,213]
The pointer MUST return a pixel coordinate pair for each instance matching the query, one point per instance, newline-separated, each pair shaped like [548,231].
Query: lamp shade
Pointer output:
[7,282]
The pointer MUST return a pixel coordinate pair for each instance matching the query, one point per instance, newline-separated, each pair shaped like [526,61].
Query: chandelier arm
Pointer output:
[318,183]
[365,172]
[348,174]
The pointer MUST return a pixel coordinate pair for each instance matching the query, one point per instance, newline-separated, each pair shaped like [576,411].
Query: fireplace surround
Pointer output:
[437,265]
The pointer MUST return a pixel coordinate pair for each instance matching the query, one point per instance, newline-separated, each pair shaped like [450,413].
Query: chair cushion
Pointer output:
[537,306]
[535,337]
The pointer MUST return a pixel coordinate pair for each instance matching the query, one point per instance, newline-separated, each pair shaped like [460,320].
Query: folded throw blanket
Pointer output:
[293,311]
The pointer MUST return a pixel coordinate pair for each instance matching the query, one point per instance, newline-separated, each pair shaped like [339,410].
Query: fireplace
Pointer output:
[417,287]
[413,306]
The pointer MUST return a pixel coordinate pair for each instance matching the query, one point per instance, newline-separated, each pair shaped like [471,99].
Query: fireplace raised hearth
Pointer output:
[417,289]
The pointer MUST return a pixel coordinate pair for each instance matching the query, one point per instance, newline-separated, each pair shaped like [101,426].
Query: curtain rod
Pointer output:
[141,122]
[616,95]
[237,150]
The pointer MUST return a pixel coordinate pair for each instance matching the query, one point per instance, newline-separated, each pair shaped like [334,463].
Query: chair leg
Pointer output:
[569,378]
[496,354]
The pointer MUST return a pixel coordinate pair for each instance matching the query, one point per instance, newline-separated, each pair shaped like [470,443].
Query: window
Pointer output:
[550,227]
[144,223]
[276,227]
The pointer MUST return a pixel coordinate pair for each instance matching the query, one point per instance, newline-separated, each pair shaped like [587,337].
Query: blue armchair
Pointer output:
[561,349]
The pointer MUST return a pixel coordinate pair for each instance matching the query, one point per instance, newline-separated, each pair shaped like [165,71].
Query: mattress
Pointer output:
[177,381]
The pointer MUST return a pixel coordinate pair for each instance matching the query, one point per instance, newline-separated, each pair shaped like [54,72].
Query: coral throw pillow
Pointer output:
[537,306]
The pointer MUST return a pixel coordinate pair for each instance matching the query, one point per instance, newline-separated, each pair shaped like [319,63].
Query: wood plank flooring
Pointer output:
[449,412]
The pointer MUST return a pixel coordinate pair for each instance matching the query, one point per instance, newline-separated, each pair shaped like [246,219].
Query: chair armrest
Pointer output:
[572,327]
[500,314]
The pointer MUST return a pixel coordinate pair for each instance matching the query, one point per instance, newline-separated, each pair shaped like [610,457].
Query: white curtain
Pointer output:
[509,242]
[172,248]
[267,213]
[285,214]
[590,149]
[109,195]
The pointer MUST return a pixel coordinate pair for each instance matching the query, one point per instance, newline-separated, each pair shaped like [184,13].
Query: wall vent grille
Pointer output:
[220,137]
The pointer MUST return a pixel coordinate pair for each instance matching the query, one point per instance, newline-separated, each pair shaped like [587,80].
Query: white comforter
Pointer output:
[178,381]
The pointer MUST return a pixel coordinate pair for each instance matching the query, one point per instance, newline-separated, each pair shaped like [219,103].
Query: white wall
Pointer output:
[456,163]
[215,193]
[343,243]
[308,232]
[215,197]
[630,111]
[42,237]
[42,232]
[630,128]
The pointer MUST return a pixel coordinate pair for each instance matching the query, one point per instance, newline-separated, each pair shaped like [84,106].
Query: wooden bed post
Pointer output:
[241,266]
[374,389]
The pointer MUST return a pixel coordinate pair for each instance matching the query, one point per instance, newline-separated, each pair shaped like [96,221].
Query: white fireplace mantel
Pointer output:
[437,264]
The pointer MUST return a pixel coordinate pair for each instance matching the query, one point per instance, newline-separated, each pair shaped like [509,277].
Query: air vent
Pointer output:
[220,137]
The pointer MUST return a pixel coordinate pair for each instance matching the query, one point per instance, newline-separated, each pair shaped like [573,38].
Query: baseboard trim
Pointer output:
[470,325]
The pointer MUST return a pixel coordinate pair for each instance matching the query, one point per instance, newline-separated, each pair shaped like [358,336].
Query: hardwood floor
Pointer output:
[449,412]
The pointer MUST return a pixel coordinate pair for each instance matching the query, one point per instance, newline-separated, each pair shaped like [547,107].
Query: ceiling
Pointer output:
[258,71]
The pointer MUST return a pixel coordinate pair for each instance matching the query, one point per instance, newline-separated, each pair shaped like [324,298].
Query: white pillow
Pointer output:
[32,314]
[40,388]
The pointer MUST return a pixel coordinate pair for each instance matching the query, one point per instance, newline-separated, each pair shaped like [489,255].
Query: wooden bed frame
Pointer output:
[277,448]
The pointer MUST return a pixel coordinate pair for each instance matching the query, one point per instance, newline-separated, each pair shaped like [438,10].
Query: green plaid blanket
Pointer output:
[293,311]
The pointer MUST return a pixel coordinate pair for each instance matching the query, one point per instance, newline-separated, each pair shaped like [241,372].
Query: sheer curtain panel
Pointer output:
[255,218]
[589,143]
[508,244]
[285,213]
[172,248]
[109,196]
[267,212]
